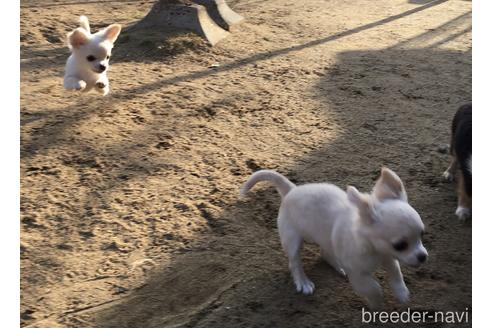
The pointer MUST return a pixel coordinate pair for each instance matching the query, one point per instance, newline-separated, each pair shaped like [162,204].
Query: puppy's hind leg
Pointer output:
[292,244]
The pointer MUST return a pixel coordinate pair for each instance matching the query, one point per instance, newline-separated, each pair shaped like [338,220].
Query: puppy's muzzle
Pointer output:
[102,68]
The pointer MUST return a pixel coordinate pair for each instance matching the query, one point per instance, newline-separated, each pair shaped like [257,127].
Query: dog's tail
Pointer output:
[84,23]
[280,182]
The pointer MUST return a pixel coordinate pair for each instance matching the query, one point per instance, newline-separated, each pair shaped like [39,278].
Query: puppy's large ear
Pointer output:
[77,38]
[363,203]
[389,186]
[111,32]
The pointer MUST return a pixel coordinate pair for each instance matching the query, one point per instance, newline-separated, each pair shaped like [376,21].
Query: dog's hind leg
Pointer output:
[450,173]
[464,200]
[292,244]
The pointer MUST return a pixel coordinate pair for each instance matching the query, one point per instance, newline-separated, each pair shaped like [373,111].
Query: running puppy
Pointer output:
[87,65]
[461,162]
[356,232]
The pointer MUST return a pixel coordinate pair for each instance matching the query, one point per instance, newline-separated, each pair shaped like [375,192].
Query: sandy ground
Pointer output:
[130,207]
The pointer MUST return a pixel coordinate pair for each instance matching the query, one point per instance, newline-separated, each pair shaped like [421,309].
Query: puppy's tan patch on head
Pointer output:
[389,186]
[78,38]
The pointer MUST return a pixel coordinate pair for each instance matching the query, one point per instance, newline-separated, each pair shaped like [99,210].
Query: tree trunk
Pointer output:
[208,18]
[221,13]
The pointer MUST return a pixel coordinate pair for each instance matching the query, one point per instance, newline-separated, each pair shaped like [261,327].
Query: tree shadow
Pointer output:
[142,45]
[36,57]
[157,44]
[440,35]
[419,2]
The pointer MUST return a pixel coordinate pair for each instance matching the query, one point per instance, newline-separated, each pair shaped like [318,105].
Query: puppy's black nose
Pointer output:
[422,257]
[102,67]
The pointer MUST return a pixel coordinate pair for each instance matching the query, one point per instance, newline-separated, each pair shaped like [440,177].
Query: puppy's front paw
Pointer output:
[305,286]
[448,176]
[100,85]
[81,86]
[102,88]
[463,213]
[402,294]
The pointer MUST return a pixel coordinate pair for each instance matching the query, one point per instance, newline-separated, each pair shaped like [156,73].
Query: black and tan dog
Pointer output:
[461,164]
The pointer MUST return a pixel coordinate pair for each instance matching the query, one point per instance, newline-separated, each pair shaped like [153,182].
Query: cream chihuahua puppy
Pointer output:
[87,65]
[356,232]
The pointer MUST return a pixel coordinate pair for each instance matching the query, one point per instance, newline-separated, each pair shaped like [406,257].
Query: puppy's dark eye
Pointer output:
[107,57]
[400,246]
[91,58]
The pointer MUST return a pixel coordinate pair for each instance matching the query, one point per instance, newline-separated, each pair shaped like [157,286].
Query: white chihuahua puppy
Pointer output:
[356,232]
[87,65]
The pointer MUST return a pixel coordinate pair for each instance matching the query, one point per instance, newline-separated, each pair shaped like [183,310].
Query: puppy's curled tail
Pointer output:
[280,182]
[84,23]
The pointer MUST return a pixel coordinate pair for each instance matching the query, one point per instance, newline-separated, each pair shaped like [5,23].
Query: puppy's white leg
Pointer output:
[463,213]
[464,200]
[102,86]
[365,286]
[292,243]
[450,171]
[396,280]
[74,83]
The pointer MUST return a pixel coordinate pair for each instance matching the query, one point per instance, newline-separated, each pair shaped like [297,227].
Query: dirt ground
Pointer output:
[130,213]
